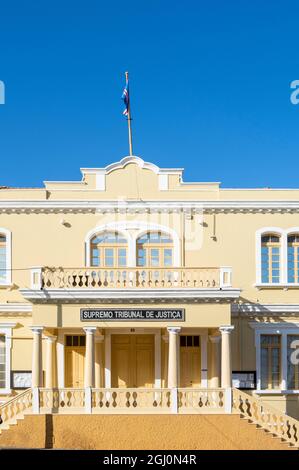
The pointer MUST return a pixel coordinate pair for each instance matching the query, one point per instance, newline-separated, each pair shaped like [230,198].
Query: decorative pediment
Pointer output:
[102,173]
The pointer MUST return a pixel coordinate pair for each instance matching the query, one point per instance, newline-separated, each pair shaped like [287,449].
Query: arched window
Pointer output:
[108,250]
[270,258]
[154,249]
[293,258]
[3,259]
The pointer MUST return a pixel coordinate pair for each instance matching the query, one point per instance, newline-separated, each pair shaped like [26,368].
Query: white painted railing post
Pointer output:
[35,400]
[88,403]
[228,400]
[174,400]
[225,277]
[36,278]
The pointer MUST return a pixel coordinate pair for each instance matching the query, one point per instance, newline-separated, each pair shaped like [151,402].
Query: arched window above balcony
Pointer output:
[3,250]
[154,250]
[271,257]
[108,250]
[293,257]
[5,256]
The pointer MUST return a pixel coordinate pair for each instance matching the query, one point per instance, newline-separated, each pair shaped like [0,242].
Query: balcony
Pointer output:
[106,283]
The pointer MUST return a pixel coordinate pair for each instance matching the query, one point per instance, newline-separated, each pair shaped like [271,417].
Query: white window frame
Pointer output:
[283,331]
[7,234]
[283,267]
[6,330]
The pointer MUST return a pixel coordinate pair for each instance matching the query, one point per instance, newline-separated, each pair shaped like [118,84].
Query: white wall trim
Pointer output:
[6,330]
[130,293]
[213,206]
[119,165]
[8,236]
[163,182]
[15,308]
[100,182]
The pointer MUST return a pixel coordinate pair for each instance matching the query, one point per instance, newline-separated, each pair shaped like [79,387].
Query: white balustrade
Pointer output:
[206,401]
[142,278]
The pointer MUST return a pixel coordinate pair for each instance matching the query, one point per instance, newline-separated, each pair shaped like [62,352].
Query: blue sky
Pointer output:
[210,88]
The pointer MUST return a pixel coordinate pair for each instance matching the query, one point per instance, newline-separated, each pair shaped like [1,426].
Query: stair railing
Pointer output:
[270,419]
[15,406]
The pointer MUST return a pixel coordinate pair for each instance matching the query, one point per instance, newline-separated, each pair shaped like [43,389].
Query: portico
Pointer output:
[132,358]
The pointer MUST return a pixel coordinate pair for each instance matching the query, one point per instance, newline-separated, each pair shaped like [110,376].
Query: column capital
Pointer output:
[90,330]
[51,339]
[174,329]
[215,339]
[226,329]
[37,329]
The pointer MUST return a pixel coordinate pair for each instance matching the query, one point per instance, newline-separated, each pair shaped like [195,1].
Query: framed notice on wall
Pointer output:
[21,379]
[244,380]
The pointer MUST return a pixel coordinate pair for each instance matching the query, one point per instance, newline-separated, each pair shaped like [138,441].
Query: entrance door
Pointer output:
[190,366]
[74,361]
[132,362]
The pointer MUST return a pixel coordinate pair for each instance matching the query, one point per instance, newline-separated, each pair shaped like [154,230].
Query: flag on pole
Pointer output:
[125,97]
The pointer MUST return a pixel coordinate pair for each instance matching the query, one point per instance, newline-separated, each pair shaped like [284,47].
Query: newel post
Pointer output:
[225,277]
[35,400]
[36,278]
[88,400]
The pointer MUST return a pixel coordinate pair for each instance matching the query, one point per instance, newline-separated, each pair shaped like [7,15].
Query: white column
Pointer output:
[215,361]
[158,359]
[226,363]
[89,357]
[50,342]
[37,367]
[204,360]
[108,360]
[165,365]
[98,342]
[173,356]
[284,361]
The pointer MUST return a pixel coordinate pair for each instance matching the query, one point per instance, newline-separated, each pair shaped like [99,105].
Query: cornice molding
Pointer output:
[249,309]
[273,326]
[125,295]
[95,206]
[15,308]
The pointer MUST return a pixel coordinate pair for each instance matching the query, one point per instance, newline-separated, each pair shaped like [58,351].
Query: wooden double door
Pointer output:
[133,359]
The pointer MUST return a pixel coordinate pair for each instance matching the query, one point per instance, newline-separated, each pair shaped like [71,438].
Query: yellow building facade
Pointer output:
[133,291]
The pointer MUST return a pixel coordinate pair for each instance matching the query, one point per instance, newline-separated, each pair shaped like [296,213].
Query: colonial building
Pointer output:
[133,291]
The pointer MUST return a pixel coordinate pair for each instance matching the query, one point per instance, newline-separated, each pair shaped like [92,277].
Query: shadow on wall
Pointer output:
[49,435]
[292,406]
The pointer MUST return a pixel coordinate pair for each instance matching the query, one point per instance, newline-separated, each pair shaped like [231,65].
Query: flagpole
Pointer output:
[129,119]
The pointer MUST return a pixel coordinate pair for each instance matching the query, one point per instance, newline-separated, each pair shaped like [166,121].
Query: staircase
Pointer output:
[264,417]
[260,427]
[14,409]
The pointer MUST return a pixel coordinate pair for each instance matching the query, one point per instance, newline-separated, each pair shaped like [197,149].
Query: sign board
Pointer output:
[132,314]
[21,379]
[244,380]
